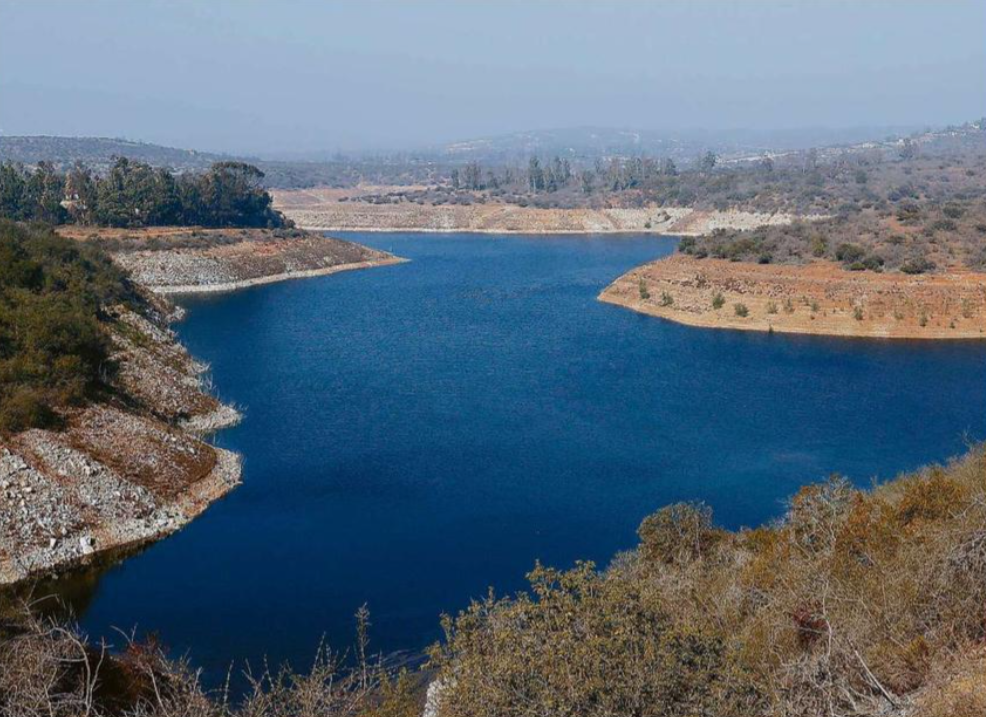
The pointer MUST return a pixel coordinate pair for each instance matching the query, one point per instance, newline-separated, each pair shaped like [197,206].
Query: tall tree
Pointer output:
[535,175]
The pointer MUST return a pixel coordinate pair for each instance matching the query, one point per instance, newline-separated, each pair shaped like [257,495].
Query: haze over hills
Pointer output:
[592,142]
[98,152]
[577,143]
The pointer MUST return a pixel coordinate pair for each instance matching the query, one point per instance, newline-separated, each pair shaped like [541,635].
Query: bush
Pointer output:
[580,644]
[849,253]
[678,534]
[718,300]
[855,601]
[919,265]
[741,310]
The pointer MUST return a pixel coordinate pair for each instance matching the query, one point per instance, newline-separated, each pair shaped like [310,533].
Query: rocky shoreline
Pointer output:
[181,260]
[818,298]
[206,288]
[120,473]
[137,467]
[322,210]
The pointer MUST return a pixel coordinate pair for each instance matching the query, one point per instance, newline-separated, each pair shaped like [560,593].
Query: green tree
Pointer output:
[13,192]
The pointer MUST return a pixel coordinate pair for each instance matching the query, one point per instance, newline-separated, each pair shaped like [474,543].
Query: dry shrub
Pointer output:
[582,644]
[849,606]
[961,692]
[678,534]
[50,670]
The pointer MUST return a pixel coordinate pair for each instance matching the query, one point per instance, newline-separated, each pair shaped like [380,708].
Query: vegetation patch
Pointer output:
[54,339]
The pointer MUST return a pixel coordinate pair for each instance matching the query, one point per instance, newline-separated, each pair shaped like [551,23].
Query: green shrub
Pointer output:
[54,345]
[741,310]
[919,265]
[718,300]
[849,253]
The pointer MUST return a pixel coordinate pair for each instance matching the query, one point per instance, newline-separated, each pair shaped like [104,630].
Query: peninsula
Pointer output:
[103,414]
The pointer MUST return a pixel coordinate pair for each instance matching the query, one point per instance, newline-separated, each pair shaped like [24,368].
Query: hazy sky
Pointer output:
[295,75]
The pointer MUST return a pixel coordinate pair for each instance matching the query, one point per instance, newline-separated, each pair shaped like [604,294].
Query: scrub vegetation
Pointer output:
[856,603]
[54,340]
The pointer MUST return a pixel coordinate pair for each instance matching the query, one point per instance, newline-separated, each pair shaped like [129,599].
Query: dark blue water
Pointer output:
[417,433]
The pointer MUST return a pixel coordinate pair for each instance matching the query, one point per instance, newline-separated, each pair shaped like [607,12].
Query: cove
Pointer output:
[417,433]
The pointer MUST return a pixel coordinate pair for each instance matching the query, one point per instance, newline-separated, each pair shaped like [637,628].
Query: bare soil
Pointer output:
[818,298]
[329,210]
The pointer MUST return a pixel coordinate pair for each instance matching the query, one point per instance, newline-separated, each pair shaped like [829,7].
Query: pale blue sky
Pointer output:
[296,75]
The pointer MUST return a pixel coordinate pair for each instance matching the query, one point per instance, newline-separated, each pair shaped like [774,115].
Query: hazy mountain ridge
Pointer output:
[591,142]
[99,152]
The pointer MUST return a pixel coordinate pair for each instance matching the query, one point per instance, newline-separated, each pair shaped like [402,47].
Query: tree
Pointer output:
[811,161]
[13,192]
[535,175]
[908,149]
[120,195]
[668,168]
[586,179]
[44,193]
[80,191]
[473,176]
[709,161]
[232,196]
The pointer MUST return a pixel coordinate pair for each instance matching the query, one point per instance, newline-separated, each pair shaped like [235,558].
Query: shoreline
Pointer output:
[521,232]
[117,478]
[188,289]
[126,535]
[816,299]
[320,209]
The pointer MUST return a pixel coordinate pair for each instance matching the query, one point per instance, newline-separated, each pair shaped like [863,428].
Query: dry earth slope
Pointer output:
[818,298]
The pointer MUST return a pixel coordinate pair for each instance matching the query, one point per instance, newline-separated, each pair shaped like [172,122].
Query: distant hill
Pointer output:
[98,152]
[588,143]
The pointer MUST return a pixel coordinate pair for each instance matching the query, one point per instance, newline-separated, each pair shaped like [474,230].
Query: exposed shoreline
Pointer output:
[128,473]
[816,299]
[323,210]
[116,476]
[272,279]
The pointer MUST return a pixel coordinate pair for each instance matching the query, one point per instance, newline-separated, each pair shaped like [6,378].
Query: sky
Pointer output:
[299,76]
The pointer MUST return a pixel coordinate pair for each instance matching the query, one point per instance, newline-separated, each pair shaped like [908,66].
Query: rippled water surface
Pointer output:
[416,433]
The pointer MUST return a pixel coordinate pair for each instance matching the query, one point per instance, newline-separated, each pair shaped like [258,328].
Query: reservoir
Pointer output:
[418,433]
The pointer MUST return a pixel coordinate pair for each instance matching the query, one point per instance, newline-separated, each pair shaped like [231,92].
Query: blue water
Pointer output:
[417,433]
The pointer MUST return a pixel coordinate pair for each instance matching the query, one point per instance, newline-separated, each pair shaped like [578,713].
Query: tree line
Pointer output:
[133,194]
[556,174]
